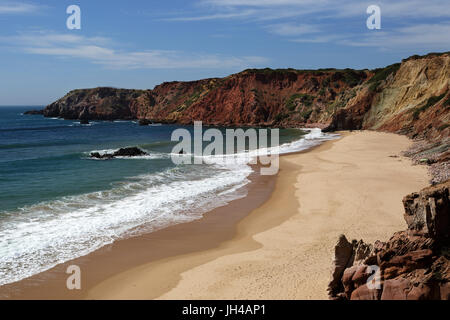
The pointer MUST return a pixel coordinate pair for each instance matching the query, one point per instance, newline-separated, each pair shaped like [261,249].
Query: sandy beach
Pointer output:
[283,249]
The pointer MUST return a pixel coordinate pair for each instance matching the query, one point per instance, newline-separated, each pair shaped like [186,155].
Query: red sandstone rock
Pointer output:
[360,276]
[428,211]
[342,255]
[413,264]
[395,289]
[364,293]
[445,291]
[347,281]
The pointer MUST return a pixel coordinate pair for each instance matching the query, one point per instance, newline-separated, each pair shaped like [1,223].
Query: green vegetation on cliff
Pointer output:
[430,102]
[382,73]
[304,98]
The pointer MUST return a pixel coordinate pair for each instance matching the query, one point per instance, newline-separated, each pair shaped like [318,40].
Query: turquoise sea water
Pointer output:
[57,204]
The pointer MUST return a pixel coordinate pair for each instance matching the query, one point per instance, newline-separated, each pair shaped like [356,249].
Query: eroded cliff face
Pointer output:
[415,99]
[253,97]
[411,97]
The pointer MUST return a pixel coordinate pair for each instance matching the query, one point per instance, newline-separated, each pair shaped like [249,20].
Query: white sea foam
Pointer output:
[43,235]
[314,137]
[149,156]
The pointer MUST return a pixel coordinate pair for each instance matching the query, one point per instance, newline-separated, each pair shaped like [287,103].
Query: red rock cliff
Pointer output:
[411,97]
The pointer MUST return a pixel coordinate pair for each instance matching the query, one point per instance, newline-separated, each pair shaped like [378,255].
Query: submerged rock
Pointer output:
[123,152]
[144,122]
[34,112]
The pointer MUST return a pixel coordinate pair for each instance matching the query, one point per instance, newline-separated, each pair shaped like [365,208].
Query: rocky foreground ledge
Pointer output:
[413,265]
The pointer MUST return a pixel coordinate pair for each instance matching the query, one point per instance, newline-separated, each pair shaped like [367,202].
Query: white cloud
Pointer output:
[398,8]
[424,24]
[260,10]
[291,29]
[260,3]
[216,16]
[98,50]
[320,39]
[17,7]
[430,36]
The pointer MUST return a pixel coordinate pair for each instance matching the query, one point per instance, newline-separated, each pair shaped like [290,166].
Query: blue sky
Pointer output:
[139,44]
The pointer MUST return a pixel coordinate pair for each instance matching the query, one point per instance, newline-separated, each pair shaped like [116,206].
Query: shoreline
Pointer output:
[211,255]
[141,285]
[283,249]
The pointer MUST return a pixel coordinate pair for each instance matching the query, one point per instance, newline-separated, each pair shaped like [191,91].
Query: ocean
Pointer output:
[57,204]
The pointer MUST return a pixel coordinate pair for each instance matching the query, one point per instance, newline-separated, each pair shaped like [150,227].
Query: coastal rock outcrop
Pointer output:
[123,152]
[413,265]
[343,252]
[98,104]
[428,212]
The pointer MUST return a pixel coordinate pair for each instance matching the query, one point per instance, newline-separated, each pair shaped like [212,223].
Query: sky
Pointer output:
[142,43]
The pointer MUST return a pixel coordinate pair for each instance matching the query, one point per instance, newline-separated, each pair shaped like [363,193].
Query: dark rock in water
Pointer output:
[123,152]
[97,155]
[129,152]
[144,122]
[84,115]
[84,121]
[34,112]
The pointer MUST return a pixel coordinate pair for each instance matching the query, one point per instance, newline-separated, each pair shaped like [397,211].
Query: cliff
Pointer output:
[411,97]
[99,104]
[253,97]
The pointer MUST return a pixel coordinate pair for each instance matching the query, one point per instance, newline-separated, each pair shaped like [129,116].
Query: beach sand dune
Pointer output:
[283,249]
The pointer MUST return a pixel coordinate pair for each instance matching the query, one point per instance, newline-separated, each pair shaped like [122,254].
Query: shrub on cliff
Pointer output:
[280,117]
[430,102]
[304,98]
[382,73]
